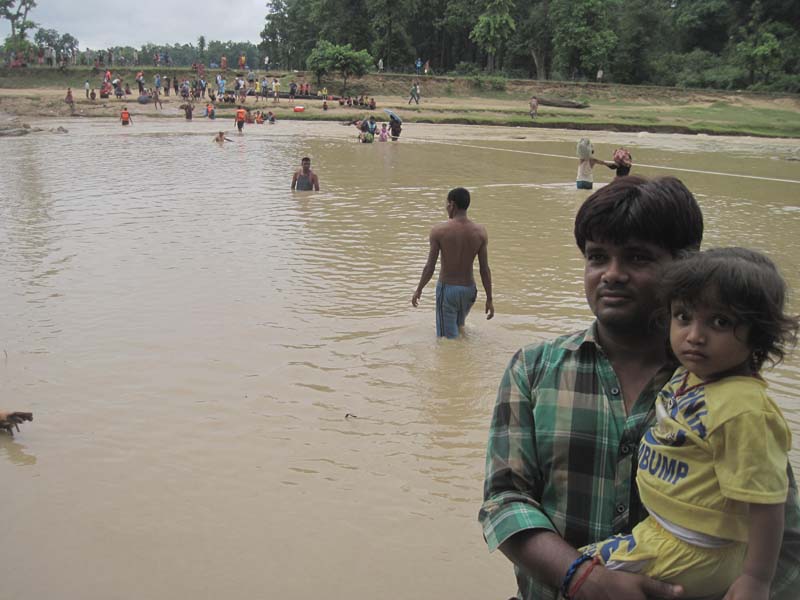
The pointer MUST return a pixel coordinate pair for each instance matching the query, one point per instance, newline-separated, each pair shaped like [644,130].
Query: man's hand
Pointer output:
[415,298]
[489,309]
[11,420]
[603,584]
[747,587]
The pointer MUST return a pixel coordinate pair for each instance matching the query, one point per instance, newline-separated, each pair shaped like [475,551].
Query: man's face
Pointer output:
[306,164]
[621,282]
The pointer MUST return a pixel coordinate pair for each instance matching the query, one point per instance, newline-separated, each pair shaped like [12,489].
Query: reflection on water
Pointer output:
[192,337]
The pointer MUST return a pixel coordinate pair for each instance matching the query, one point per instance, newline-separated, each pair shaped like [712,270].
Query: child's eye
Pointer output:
[680,315]
[722,322]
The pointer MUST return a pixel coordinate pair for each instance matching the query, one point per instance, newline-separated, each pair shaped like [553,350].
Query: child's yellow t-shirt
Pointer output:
[715,448]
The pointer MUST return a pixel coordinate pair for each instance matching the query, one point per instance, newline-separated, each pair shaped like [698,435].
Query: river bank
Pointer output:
[473,100]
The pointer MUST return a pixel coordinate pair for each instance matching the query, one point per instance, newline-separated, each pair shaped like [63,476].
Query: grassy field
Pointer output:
[465,100]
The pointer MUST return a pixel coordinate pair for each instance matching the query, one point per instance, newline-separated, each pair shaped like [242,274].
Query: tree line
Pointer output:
[730,44]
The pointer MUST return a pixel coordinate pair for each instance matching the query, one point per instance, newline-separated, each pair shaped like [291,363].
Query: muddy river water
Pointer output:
[191,335]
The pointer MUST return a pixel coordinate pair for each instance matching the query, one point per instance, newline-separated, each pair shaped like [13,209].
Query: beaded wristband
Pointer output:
[571,573]
[582,579]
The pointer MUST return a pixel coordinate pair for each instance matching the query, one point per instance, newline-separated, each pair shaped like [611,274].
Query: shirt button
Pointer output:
[626,449]
[620,509]
[614,391]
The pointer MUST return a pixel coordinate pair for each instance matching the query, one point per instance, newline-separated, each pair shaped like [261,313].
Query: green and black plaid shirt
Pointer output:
[561,455]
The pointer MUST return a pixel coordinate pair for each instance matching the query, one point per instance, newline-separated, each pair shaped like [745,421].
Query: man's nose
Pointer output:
[615,272]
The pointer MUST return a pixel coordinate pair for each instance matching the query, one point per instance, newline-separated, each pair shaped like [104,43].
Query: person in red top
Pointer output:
[125,116]
[241,117]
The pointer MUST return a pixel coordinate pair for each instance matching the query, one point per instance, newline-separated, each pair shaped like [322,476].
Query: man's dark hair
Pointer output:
[304,159]
[460,197]
[661,211]
[743,282]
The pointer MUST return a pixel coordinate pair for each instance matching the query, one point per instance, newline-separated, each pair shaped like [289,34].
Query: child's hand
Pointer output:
[747,587]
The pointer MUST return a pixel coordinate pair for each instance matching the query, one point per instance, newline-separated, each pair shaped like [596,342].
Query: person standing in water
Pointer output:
[239,119]
[305,179]
[125,116]
[459,240]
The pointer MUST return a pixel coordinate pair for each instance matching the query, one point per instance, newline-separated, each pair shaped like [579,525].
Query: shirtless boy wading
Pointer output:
[460,241]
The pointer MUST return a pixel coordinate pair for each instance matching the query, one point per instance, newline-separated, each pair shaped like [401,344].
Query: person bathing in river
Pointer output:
[459,240]
[586,162]
[304,179]
[621,162]
[221,139]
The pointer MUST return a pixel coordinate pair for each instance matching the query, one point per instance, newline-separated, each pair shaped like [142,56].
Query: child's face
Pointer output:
[708,341]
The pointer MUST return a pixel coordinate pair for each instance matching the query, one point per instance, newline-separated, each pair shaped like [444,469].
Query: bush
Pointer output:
[489,82]
[782,83]
[698,69]
[466,68]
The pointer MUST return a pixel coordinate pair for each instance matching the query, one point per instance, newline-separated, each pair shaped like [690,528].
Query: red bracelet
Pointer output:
[584,577]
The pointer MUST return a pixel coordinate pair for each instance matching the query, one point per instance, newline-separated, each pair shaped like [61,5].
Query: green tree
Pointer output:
[760,53]
[532,39]
[646,32]
[493,28]
[329,58]
[319,61]
[582,36]
[16,12]
[201,46]
[703,24]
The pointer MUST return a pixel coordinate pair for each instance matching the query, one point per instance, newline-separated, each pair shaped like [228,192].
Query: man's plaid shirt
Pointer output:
[562,455]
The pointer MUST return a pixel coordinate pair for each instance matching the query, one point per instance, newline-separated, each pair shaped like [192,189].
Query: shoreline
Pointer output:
[448,101]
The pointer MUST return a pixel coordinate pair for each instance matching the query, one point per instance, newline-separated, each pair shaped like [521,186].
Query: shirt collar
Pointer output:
[589,336]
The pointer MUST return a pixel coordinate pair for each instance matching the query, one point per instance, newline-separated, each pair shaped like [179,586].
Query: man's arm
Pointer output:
[294,180]
[430,267]
[486,274]
[512,517]
[315,181]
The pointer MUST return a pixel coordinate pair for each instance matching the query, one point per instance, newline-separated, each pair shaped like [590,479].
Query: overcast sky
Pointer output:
[103,23]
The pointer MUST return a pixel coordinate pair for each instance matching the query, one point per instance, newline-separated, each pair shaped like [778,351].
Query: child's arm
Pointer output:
[763,547]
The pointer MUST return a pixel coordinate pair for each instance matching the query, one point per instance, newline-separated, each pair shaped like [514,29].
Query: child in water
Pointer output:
[712,471]
[383,135]
[621,162]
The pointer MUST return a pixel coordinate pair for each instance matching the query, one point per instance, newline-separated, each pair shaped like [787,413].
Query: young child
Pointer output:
[383,135]
[621,162]
[712,471]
